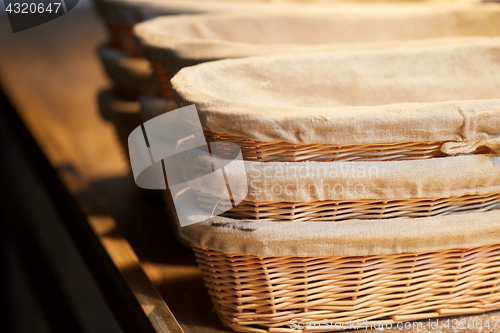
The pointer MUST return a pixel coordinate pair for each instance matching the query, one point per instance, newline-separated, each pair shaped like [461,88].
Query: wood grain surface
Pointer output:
[52,75]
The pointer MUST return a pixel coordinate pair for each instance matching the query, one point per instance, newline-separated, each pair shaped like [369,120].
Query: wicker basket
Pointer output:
[273,294]
[420,242]
[172,43]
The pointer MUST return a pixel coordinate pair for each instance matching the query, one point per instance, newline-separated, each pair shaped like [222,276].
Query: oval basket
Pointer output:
[274,294]
[266,277]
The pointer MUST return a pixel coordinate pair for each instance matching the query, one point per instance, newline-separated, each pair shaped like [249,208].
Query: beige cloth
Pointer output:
[417,93]
[352,181]
[346,238]
[126,72]
[198,38]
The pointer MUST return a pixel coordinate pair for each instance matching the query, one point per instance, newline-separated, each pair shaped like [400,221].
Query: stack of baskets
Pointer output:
[392,212]
[372,164]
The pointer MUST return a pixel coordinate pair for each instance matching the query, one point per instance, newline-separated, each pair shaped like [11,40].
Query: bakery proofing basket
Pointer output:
[172,43]
[416,127]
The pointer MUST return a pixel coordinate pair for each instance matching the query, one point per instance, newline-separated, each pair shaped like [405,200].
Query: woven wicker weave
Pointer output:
[286,152]
[254,294]
[163,75]
[348,210]
[121,37]
[161,82]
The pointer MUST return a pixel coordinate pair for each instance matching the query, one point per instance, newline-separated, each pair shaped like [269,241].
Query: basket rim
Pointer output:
[297,182]
[346,238]
[338,210]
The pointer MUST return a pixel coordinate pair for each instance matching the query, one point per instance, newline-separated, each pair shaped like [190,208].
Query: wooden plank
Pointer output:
[109,279]
[126,261]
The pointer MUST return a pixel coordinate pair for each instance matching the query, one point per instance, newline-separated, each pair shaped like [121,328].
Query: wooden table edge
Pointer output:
[131,296]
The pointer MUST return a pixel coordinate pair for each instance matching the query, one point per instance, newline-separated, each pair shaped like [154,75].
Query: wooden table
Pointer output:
[51,75]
